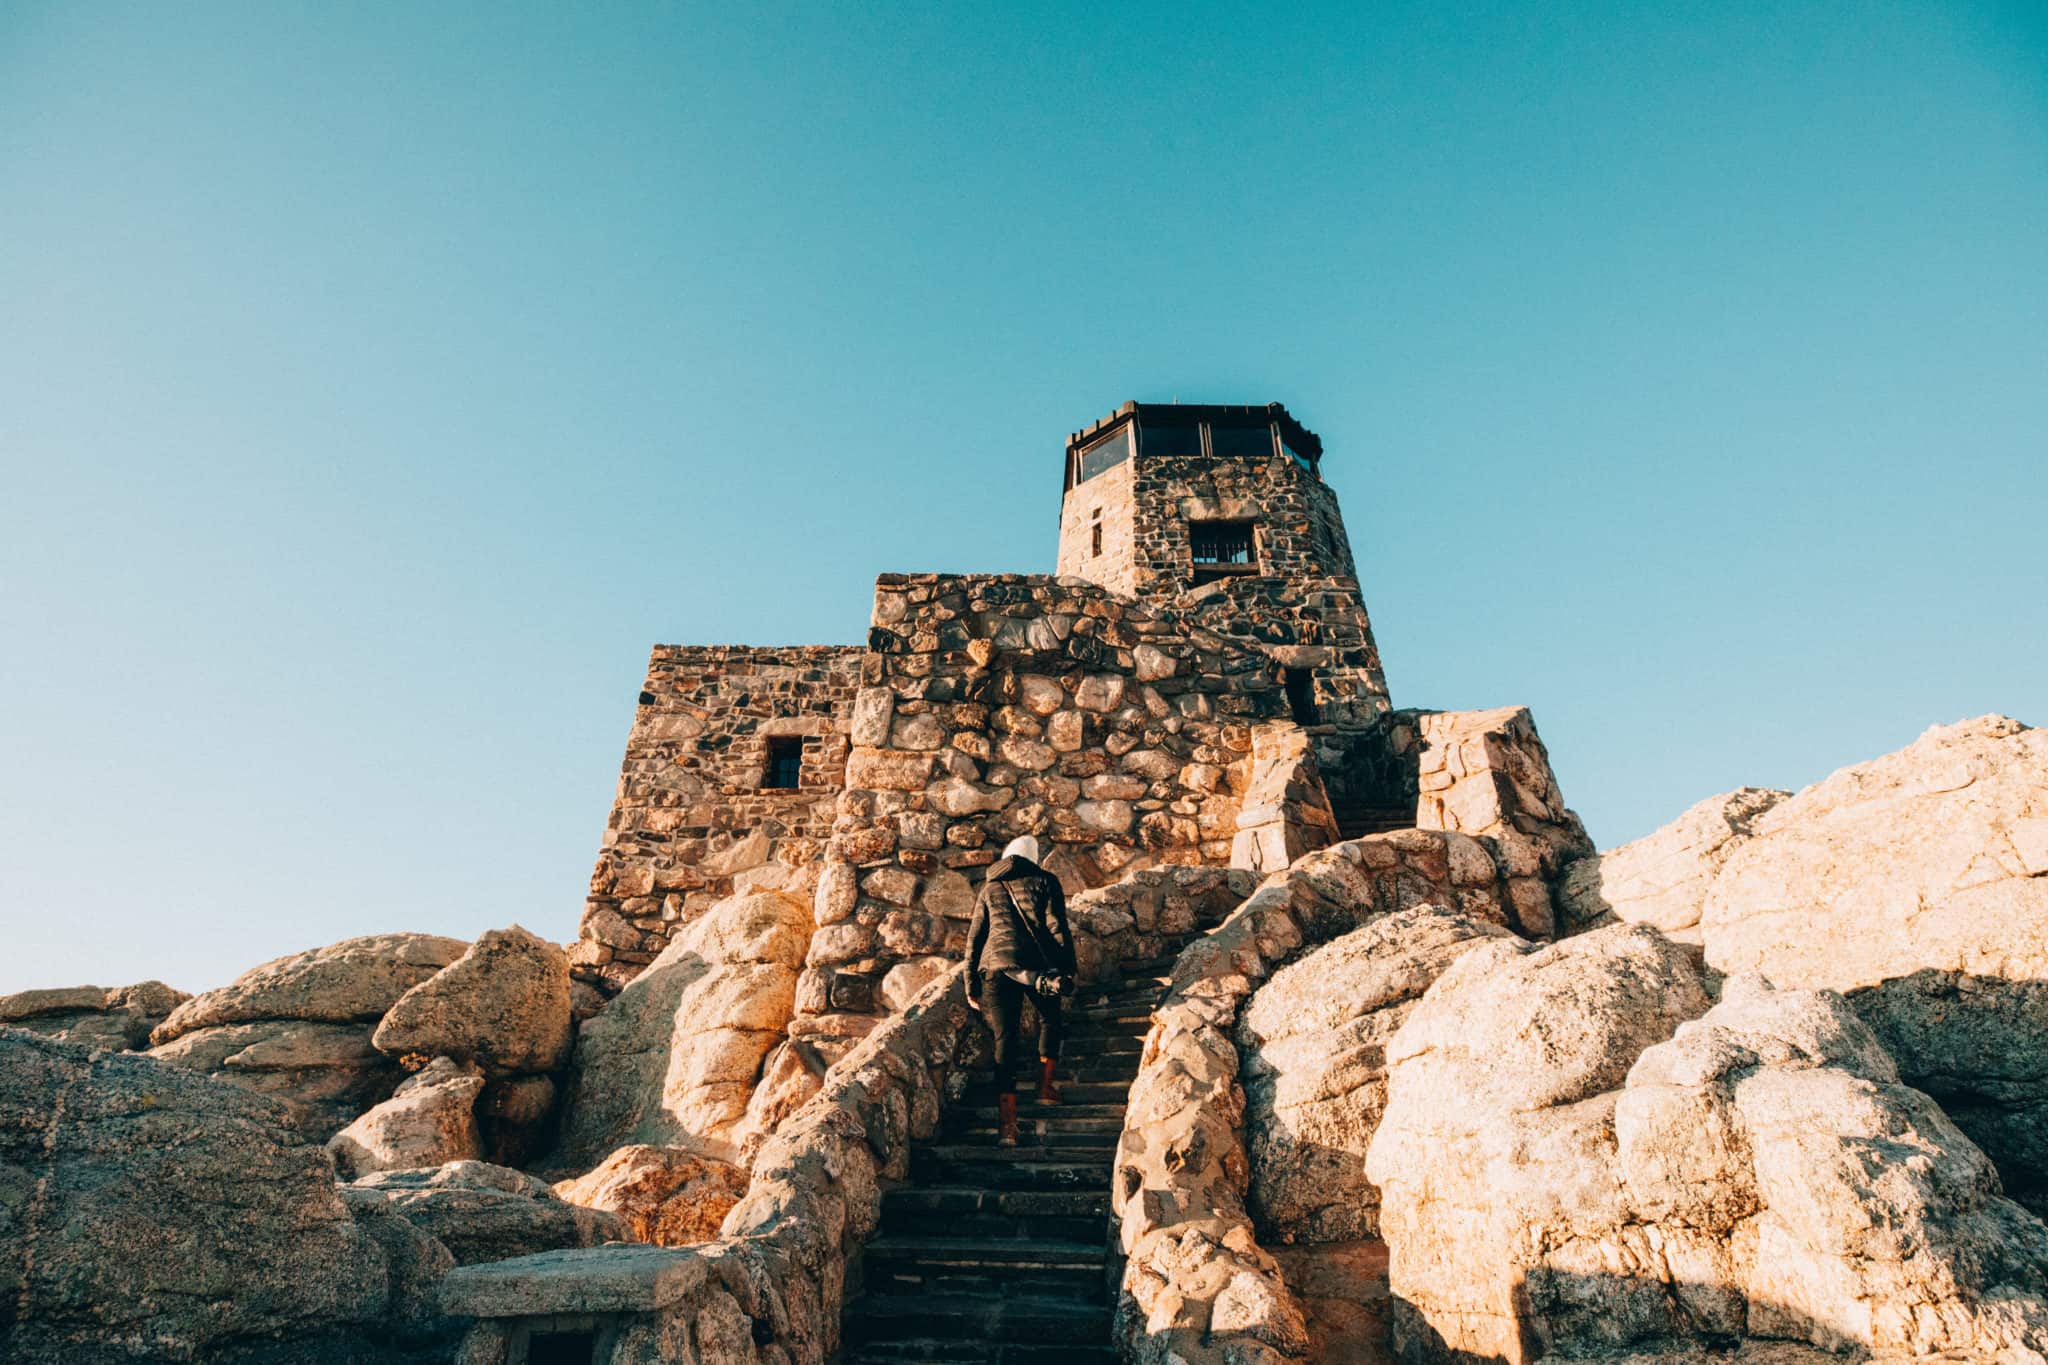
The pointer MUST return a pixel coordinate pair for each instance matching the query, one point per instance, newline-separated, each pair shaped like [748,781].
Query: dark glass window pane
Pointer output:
[1175,440]
[785,764]
[1240,441]
[1221,542]
[1304,461]
[1107,453]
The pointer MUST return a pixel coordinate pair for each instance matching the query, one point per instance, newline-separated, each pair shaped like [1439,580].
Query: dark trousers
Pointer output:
[1002,1005]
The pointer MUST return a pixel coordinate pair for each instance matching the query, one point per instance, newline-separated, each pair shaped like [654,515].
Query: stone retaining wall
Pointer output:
[692,821]
[1197,1287]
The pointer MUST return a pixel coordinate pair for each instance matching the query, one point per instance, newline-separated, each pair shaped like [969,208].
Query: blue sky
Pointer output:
[377,383]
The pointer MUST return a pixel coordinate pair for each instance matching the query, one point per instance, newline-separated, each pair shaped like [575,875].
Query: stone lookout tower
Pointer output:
[1196,686]
[1161,498]
[1221,511]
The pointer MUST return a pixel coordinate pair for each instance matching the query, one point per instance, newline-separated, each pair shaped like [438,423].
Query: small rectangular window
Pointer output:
[1171,440]
[1097,538]
[785,763]
[1242,441]
[1105,454]
[1221,542]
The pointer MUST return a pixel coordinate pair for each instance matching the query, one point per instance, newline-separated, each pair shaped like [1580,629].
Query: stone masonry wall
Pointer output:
[692,821]
[1107,500]
[1303,606]
[1300,531]
[1000,705]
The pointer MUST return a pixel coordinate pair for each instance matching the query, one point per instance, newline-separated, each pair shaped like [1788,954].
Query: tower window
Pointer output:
[1095,533]
[1301,696]
[785,763]
[1241,442]
[1106,454]
[1171,440]
[1222,544]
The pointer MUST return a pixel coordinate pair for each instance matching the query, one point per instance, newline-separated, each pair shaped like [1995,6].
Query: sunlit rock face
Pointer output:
[1575,1148]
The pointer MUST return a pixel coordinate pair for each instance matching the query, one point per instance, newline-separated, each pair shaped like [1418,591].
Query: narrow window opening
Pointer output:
[1222,549]
[561,1348]
[785,763]
[1096,533]
[1301,696]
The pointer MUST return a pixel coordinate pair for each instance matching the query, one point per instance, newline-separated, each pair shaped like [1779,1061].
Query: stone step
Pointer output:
[1028,1107]
[1107,1066]
[968,1322]
[1048,1118]
[959,1210]
[975,1353]
[1051,1135]
[1085,1043]
[982,1092]
[1108,1026]
[926,1265]
[1012,1168]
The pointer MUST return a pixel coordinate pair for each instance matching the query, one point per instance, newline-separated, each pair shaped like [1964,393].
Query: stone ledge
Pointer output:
[619,1277]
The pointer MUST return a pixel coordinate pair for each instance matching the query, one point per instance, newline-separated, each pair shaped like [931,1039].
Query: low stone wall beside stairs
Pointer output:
[771,1289]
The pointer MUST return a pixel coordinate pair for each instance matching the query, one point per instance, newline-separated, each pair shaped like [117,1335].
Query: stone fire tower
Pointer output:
[1162,498]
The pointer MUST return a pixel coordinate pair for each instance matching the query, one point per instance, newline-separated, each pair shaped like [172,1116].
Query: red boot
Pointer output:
[1046,1093]
[1006,1119]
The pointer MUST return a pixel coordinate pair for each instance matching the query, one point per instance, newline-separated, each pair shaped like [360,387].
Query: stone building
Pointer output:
[1198,684]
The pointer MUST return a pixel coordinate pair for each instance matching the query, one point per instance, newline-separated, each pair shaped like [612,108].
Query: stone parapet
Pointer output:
[1286,810]
[1487,774]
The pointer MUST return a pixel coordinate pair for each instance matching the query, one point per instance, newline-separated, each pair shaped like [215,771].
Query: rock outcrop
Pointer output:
[429,1122]
[669,1197]
[1917,884]
[353,981]
[1761,1173]
[298,1028]
[676,1056]
[1197,1286]
[1662,878]
[150,1214]
[482,1212]
[1488,1154]
[504,1004]
[1312,1043]
[95,1016]
[324,1074]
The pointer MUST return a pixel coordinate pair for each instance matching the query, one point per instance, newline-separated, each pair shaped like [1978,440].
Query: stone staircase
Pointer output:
[1356,819]
[995,1256]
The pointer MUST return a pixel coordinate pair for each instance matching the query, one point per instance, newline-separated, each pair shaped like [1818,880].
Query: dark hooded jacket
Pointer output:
[1020,921]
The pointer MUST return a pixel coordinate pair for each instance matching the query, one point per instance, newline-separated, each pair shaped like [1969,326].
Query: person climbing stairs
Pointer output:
[992,1255]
